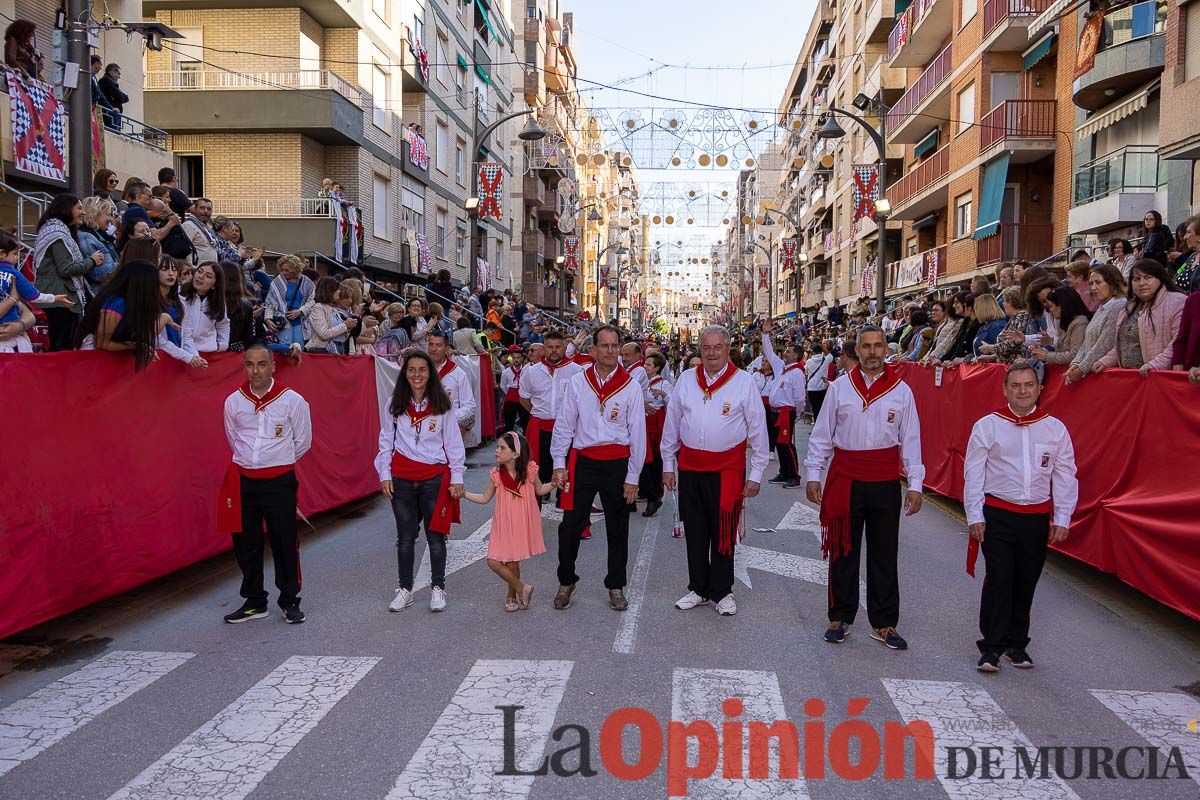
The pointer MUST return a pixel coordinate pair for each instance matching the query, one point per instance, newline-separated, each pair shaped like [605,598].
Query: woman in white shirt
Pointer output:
[204,310]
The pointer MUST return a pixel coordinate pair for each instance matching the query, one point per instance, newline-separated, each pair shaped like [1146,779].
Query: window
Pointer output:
[379,92]
[382,10]
[440,145]
[443,61]
[1191,49]
[440,243]
[460,161]
[460,86]
[462,7]
[969,8]
[460,245]
[412,199]
[962,216]
[418,28]
[966,108]
[380,207]
[853,264]
[910,248]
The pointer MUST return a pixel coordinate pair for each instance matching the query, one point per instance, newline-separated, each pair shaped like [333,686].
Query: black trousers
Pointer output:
[710,573]
[61,323]
[650,482]
[1014,548]
[545,461]
[269,501]
[874,506]
[607,479]
[815,401]
[771,431]
[789,460]
[511,414]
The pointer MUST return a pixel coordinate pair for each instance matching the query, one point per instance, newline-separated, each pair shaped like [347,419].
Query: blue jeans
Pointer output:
[412,504]
[292,334]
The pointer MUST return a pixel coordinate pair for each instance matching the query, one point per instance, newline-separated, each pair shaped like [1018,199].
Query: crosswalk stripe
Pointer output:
[963,715]
[1161,718]
[627,631]
[230,754]
[698,694]
[460,554]
[32,724]
[801,517]
[464,750]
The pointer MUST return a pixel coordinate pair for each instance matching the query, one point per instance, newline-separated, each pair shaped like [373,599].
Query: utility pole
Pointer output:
[79,155]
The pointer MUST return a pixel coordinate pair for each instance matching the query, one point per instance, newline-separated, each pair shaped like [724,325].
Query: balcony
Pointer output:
[533,191]
[284,225]
[924,105]
[326,13]
[1016,241]
[412,80]
[1026,127]
[533,244]
[923,189]
[1131,53]
[550,248]
[1006,23]
[878,22]
[412,168]
[316,103]
[1116,189]
[900,276]
[132,147]
[919,32]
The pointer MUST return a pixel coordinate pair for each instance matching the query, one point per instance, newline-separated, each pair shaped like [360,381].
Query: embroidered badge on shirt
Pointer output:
[1045,460]
[433,426]
[279,430]
[616,411]
[891,415]
[725,408]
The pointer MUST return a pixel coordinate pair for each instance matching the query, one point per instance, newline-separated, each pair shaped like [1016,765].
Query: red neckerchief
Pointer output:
[551,367]
[792,366]
[889,380]
[581,359]
[618,379]
[509,481]
[417,416]
[710,389]
[635,365]
[657,379]
[1006,413]
[271,396]
[447,368]
[516,372]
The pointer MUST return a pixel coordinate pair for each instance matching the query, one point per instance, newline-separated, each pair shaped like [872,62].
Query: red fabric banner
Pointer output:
[487,397]
[114,479]
[1135,518]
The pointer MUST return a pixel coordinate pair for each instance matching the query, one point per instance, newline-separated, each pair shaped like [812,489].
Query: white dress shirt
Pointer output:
[582,423]
[436,439]
[788,389]
[765,384]
[1021,464]
[891,420]
[208,335]
[658,383]
[732,415]
[508,379]
[545,391]
[458,389]
[643,380]
[277,435]
[816,370]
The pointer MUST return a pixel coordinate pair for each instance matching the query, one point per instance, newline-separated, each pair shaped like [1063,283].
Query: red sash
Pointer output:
[849,466]
[889,380]
[445,509]
[731,464]
[1006,413]
[260,403]
[513,395]
[1044,507]
[783,423]
[618,379]
[533,434]
[229,499]
[447,368]
[709,389]
[600,452]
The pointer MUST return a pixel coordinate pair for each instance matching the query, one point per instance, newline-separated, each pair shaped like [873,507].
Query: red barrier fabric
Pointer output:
[487,397]
[112,476]
[1136,441]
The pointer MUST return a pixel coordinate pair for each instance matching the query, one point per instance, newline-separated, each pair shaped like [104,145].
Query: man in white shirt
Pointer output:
[269,430]
[540,389]
[787,398]
[199,232]
[599,447]
[1019,494]
[454,379]
[713,414]
[659,392]
[512,412]
[868,425]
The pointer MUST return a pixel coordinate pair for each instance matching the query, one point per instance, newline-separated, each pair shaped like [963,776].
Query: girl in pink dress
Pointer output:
[517,522]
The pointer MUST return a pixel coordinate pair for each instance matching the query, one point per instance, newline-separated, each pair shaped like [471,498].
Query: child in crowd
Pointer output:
[14,286]
[517,523]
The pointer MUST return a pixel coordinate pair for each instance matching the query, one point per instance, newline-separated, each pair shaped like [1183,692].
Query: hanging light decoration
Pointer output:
[722,160]
[705,159]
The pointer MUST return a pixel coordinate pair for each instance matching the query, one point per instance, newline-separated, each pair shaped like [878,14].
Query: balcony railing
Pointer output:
[1133,22]
[271,208]
[136,130]
[905,24]
[934,75]
[1022,119]
[223,80]
[921,176]
[1132,167]
[997,12]
[1016,241]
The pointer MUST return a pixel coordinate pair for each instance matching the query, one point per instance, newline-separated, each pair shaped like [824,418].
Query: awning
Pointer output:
[901,7]
[1048,18]
[462,62]
[926,145]
[925,221]
[1118,111]
[487,17]
[1040,50]
[482,73]
[991,197]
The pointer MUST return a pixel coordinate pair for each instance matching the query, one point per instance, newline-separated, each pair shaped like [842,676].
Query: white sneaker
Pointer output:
[437,599]
[727,607]
[401,601]
[690,600]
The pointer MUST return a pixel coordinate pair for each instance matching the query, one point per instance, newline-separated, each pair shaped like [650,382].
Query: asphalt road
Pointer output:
[149,695]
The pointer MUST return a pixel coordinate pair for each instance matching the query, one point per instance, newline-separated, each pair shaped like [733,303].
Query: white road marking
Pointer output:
[697,694]
[460,554]
[811,570]
[801,517]
[1161,718]
[626,639]
[464,749]
[226,757]
[963,715]
[556,514]
[34,723]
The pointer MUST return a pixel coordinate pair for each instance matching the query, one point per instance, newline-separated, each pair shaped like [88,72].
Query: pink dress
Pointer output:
[516,523]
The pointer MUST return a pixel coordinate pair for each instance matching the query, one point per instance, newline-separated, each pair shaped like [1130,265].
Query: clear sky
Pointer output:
[752,43]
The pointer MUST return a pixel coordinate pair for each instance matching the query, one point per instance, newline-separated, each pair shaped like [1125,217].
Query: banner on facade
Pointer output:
[483,274]
[866,191]
[932,259]
[571,253]
[911,270]
[567,201]
[39,128]
[418,151]
[491,190]
[867,281]
[353,231]
[1089,42]
[788,248]
[763,272]
[421,53]
[422,253]
[605,271]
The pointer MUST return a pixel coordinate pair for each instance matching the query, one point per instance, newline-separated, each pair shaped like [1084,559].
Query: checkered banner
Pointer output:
[867,281]
[788,248]
[763,272]
[571,253]
[932,258]
[39,126]
[605,271]
[866,190]
[491,190]
[418,151]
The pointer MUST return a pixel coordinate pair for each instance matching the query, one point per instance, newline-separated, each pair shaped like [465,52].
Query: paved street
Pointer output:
[150,696]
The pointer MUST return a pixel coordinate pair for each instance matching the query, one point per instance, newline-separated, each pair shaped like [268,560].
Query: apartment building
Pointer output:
[263,103]
[1178,135]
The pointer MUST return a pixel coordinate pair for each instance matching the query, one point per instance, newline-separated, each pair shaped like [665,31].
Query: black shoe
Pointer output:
[616,599]
[989,662]
[292,615]
[631,508]
[1018,658]
[793,484]
[562,598]
[652,507]
[835,633]
[249,610]
[778,479]
[891,639]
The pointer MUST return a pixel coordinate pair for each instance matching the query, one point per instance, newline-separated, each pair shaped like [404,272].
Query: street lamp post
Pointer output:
[749,250]
[620,251]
